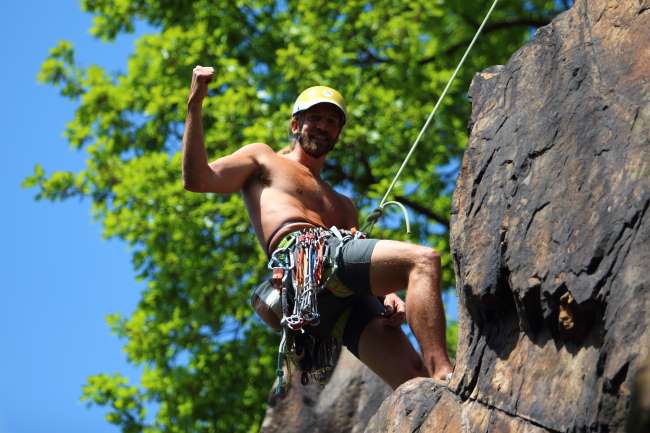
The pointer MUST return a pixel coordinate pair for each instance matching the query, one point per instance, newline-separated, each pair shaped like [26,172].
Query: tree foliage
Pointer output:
[208,365]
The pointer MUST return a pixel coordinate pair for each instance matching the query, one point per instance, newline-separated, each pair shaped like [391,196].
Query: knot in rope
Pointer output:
[375,215]
[379,212]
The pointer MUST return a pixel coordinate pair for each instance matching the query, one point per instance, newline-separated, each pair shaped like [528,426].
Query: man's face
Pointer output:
[318,129]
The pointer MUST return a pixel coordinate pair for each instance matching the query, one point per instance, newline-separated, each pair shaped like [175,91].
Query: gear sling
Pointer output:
[302,266]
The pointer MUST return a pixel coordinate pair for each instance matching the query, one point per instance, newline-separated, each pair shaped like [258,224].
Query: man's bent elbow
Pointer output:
[191,188]
[200,186]
[192,185]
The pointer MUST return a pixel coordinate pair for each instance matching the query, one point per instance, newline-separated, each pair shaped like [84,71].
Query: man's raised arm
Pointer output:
[225,175]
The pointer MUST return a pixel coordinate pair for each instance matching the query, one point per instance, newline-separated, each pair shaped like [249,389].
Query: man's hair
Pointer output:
[287,149]
[293,138]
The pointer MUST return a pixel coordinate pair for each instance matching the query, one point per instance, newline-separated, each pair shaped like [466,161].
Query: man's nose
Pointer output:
[320,125]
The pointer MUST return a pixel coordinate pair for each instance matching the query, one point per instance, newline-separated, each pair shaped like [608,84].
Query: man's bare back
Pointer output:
[283,195]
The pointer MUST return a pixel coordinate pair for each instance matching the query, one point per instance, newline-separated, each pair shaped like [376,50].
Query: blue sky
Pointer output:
[59,278]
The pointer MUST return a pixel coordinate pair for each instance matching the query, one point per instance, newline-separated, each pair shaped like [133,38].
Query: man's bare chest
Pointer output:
[301,185]
[287,182]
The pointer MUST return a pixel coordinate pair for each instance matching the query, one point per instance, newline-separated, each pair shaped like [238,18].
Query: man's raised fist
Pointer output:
[201,76]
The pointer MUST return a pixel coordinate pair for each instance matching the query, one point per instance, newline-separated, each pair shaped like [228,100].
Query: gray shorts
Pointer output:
[353,263]
[347,317]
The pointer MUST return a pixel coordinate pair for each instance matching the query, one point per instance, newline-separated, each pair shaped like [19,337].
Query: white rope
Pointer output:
[435,108]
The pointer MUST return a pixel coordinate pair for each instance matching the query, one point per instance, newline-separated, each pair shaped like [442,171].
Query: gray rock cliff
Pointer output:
[344,405]
[550,236]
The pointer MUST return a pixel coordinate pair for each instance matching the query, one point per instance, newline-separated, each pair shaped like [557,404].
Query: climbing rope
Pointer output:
[379,211]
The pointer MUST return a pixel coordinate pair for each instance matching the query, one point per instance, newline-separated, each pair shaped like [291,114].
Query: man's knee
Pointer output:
[425,260]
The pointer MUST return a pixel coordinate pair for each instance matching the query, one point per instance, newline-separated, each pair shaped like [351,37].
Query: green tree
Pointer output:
[208,364]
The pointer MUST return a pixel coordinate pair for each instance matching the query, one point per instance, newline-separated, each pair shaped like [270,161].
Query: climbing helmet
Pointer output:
[319,94]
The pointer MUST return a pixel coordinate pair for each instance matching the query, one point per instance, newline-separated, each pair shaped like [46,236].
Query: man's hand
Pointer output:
[395,310]
[201,76]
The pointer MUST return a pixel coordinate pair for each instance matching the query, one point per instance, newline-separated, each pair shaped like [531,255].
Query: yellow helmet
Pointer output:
[316,95]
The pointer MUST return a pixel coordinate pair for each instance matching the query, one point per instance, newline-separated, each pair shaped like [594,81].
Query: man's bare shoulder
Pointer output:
[256,149]
[261,153]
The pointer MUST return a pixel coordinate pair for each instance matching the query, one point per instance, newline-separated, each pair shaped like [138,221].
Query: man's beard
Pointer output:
[316,145]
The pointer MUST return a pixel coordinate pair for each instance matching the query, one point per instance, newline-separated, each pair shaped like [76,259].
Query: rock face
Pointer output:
[344,405]
[638,420]
[550,237]
[551,232]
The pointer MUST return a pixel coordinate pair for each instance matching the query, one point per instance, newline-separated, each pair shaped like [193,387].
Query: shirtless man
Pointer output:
[284,193]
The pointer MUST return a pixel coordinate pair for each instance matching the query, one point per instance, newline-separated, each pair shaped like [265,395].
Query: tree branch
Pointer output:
[367,58]
[520,22]
[370,177]
[423,210]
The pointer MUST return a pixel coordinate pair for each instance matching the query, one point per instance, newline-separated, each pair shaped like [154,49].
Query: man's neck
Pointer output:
[315,165]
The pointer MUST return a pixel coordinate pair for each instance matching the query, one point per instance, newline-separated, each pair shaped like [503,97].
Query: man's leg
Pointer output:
[395,265]
[388,352]
[379,343]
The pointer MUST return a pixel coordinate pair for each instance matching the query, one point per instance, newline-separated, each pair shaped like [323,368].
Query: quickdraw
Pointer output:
[301,270]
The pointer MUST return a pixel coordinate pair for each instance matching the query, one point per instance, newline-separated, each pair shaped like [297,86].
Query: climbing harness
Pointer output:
[379,211]
[302,266]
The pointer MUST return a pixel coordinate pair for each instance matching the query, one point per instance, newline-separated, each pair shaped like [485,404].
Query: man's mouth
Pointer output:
[319,137]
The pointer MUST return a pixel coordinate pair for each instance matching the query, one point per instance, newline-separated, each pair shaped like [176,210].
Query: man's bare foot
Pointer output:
[443,375]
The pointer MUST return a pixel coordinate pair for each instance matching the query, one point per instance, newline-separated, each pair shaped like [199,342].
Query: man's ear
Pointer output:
[295,125]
